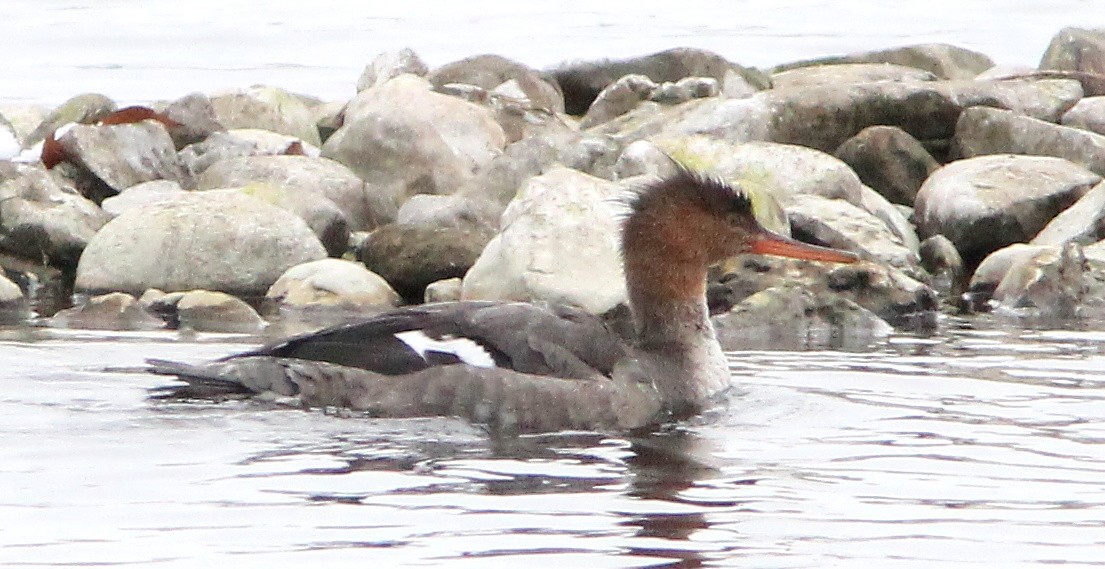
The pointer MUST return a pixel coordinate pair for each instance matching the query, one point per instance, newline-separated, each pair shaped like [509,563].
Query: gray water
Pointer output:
[976,448]
[981,446]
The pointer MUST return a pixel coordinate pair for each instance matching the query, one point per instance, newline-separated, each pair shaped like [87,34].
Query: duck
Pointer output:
[520,367]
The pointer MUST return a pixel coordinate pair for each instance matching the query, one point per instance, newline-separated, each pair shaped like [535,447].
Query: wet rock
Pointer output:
[214,240]
[210,311]
[618,98]
[266,108]
[489,71]
[108,159]
[332,282]
[942,60]
[410,257]
[113,311]
[790,317]
[558,242]
[839,224]
[143,194]
[310,177]
[985,203]
[941,259]
[1083,222]
[196,117]
[890,161]
[1053,284]
[982,131]
[884,290]
[81,109]
[1044,99]
[389,65]
[43,220]
[1076,49]
[445,290]
[581,82]
[848,73]
[403,139]
[1087,114]
[993,269]
[13,306]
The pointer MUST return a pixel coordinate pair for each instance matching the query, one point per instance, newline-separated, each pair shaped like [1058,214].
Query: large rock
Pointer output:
[1059,283]
[944,61]
[213,311]
[490,71]
[111,158]
[81,109]
[1087,114]
[985,203]
[1076,49]
[1082,223]
[558,242]
[42,220]
[332,282]
[389,65]
[146,193]
[196,118]
[324,218]
[410,257]
[618,98]
[841,225]
[318,177]
[790,317]
[581,82]
[197,158]
[848,73]
[267,108]
[215,240]
[404,139]
[983,131]
[890,161]
[884,290]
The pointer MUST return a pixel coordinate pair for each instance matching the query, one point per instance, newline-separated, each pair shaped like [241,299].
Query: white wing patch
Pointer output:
[465,349]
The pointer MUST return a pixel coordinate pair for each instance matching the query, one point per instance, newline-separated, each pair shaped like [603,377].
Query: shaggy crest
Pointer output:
[711,193]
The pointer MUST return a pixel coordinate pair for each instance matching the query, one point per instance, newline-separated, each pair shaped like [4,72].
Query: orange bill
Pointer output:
[768,243]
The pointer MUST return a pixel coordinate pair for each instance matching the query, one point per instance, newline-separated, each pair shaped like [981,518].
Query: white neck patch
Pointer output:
[465,349]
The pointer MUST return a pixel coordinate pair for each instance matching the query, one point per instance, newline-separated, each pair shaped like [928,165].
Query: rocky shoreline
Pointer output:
[965,187]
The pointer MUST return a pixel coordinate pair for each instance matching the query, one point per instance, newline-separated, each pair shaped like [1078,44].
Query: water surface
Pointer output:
[980,449]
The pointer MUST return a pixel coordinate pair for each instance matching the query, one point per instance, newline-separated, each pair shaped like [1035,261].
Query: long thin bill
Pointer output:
[772,244]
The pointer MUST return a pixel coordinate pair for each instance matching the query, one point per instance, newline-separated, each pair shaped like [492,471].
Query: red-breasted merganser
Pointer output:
[520,367]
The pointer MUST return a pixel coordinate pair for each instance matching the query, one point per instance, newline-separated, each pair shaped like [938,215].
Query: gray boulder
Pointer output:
[215,240]
[942,60]
[389,65]
[879,288]
[404,139]
[942,260]
[581,82]
[985,203]
[1087,114]
[42,219]
[618,98]
[112,311]
[13,306]
[558,242]
[1082,223]
[791,317]
[841,225]
[1060,283]
[490,71]
[267,108]
[81,109]
[410,257]
[890,161]
[311,177]
[196,117]
[1076,49]
[847,73]
[108,159]
[982,131]
[324,218]
[331,282]
[212,311]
